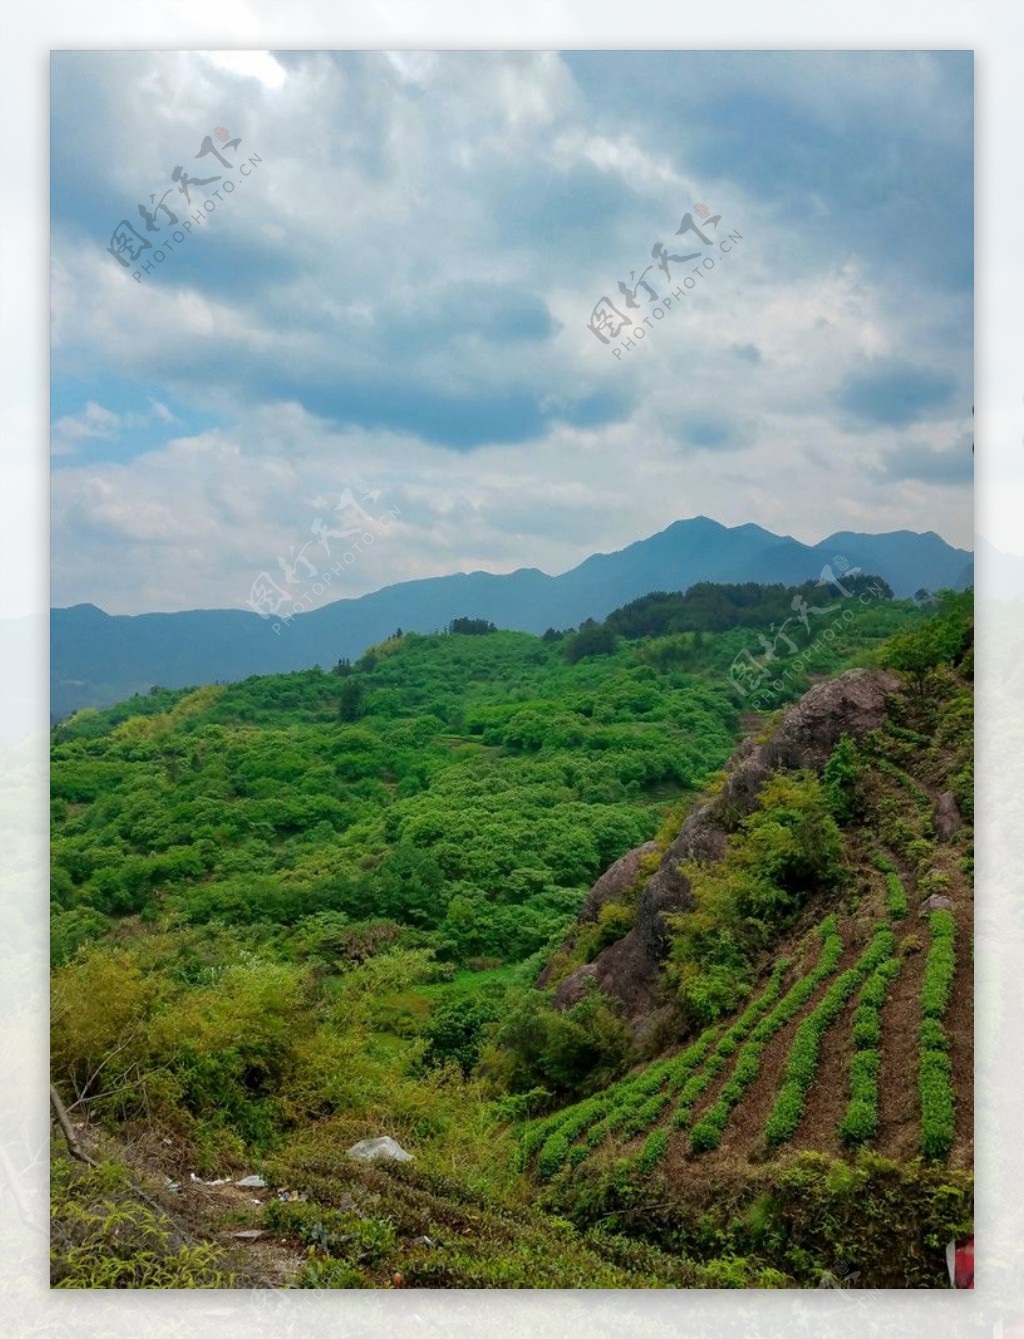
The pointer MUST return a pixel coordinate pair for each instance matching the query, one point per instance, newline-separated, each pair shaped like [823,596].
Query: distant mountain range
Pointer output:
[99,658]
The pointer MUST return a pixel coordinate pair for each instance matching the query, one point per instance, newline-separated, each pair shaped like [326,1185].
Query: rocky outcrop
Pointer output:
[613,885]
[851,704]
[630,969]
[946,816]
[616,880]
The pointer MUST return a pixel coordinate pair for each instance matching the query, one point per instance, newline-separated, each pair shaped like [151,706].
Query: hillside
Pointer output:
[99,659]
[301,911]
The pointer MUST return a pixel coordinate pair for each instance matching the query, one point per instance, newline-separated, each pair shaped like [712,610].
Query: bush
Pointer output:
[935,1071]
[103,1236]
[940,965]
[935,1075]
[895,896]
[841,775]
[654,1149]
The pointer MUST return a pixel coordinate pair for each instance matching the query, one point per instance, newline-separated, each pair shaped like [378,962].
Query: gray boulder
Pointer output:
[382,1149]
[937,902]
[946,816]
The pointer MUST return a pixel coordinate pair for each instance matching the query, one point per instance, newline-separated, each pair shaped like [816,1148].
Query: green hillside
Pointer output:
[302,910]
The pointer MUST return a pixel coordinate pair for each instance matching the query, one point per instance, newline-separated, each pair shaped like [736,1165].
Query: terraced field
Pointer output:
[850,1040]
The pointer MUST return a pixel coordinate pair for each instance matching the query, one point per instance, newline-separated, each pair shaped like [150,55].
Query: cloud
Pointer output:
[894,393]
[749,353]
[914,460]
[71,429]
[400,292]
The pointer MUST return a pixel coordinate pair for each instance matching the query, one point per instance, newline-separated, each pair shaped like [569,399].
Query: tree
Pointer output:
[592,640]
[350,700]
[472,627]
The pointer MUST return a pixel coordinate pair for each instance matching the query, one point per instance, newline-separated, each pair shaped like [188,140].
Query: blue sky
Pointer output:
[398,293]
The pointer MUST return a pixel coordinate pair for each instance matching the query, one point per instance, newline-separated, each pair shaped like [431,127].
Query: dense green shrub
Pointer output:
[940,965]
[935,1080]
[895,896]
[103,1236]
[841,774]
[654,1149]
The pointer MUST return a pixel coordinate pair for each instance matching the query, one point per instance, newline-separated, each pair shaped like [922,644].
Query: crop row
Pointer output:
[940,965]
[935,1071]
[726,1048]
[804,1054]
[633,1104]
[860,1121]
[895,893]
[895,896]
[707,1133]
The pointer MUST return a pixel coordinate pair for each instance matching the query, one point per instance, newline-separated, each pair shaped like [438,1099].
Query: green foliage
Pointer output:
[707,1133]
[935,1071]
[895,896]
[942,640]
[70,930]
[940,965]
[935,1082]
[103,1236]
[841,774]
[471,627]
[793,1217]
[654,1149]
[803,1056]
[456,1028]
[565,1052]
[788,846]
[593,641]
[860,1121]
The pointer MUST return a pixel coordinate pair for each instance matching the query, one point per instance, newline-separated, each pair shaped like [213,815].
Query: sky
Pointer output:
[388,317]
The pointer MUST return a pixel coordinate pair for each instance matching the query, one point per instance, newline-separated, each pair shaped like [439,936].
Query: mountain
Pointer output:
[99,658]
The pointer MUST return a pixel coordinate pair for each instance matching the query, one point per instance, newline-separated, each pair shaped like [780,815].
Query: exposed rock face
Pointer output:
[630,969]
[853,704]
[613,883]
[946,816]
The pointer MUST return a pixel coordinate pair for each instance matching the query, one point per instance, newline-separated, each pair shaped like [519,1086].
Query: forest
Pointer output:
[302,910]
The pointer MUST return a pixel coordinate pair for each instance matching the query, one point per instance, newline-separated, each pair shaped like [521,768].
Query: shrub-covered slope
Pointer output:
[302,910]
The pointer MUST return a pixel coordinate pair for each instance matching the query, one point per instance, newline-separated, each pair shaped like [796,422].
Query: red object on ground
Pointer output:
[963,1268]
